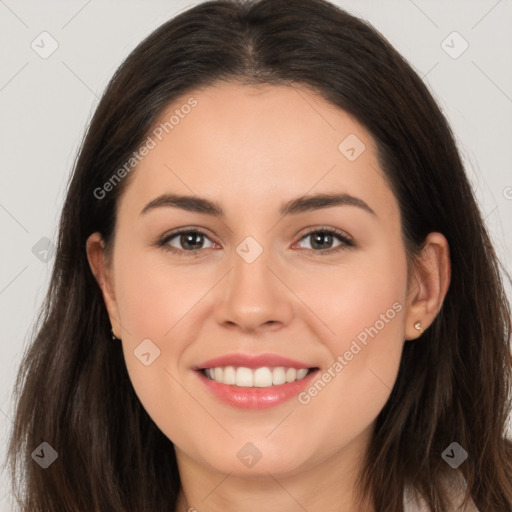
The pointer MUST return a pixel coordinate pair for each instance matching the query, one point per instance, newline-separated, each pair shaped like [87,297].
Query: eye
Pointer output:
[189,240]
[326,236]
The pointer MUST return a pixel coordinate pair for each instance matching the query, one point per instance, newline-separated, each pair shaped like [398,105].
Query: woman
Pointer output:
[202,349]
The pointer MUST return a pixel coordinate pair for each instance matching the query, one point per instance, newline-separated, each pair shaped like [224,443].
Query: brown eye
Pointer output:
[185,241]
[321,240]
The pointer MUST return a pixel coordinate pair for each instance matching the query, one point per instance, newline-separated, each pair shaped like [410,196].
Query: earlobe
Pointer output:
[429,285]
[95,249]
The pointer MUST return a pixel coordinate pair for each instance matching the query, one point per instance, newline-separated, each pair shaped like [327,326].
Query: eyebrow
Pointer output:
[293,207]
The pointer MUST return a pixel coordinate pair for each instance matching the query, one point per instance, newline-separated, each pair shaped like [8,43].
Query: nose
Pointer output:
[254,296]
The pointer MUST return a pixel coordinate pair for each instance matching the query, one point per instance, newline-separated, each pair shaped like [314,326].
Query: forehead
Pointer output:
[247,145]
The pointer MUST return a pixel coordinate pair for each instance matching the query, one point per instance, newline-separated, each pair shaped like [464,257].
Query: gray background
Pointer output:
[45,104]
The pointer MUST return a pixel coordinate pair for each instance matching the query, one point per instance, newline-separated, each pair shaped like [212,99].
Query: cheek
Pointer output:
[364,307]
[363,293]
[156,303]
[152,296]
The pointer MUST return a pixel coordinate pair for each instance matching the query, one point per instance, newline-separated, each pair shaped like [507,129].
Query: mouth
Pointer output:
[255,388]
[250,381]
[262,377]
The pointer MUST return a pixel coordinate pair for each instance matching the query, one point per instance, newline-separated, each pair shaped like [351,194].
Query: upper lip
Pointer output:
[251,361]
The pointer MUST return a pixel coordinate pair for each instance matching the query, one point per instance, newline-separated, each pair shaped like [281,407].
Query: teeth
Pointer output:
[260,378]
[244,377]
[302,373]
[229,376]
[278,376]
[291,374]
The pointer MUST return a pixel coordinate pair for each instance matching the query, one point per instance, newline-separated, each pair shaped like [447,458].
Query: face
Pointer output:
[272,286]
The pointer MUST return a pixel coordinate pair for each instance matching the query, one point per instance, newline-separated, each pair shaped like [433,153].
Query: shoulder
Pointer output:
[455,487]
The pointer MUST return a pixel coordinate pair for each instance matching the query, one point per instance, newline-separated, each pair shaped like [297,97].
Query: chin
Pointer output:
[255,460]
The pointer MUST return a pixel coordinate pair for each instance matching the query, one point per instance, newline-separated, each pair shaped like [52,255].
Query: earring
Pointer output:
[418,327]
[114,336]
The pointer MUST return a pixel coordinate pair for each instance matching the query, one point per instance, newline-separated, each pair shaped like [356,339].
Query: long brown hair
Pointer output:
[73,390]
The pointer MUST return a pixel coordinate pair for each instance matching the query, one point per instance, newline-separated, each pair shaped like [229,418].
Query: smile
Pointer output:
[262,377]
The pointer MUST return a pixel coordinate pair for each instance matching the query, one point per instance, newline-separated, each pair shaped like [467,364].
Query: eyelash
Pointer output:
[346,241]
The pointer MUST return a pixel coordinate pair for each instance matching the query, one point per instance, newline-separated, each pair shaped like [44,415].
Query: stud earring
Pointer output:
[114,337]
[418,327]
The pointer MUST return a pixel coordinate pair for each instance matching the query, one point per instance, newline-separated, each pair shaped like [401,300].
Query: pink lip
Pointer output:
[253,362]
[256,398]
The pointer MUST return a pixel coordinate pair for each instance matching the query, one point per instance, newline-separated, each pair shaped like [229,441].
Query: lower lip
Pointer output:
[256,398]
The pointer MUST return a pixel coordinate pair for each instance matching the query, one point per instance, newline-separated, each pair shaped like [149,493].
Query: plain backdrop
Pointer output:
[46,102]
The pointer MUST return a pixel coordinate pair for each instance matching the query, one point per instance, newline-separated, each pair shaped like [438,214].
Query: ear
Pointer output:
[102,271]
[428,285]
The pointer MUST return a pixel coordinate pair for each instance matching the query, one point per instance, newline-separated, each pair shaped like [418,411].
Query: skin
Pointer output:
[251,149]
